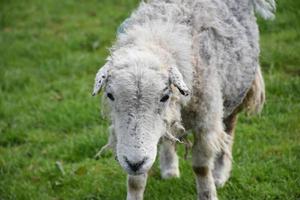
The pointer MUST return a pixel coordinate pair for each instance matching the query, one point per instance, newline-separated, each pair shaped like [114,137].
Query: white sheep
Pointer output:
[182,65]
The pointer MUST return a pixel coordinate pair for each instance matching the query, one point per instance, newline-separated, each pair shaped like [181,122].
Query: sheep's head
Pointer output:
[138,89]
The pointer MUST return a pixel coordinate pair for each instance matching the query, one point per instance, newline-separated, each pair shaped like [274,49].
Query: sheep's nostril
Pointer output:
[135,166]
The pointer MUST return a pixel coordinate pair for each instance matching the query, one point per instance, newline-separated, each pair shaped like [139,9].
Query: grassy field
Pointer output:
[49,53]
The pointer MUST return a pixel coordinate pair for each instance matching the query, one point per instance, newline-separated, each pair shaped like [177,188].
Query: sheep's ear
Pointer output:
[177,80]
[100,78]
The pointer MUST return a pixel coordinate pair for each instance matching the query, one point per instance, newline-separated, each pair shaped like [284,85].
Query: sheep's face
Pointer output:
[138,100]
[138,90]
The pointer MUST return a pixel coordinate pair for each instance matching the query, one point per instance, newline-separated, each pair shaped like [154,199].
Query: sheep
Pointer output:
[182,65]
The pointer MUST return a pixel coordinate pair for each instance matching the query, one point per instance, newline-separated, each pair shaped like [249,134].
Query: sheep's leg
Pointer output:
[168,160]
[136,186]
[203,154]
[223,162]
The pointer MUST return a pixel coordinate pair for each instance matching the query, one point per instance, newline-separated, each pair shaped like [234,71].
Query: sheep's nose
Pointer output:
[135,166]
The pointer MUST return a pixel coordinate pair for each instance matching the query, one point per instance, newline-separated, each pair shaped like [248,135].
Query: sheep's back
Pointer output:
[226,37]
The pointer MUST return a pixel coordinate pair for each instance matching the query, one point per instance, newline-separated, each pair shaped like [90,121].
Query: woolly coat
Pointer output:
[216,47]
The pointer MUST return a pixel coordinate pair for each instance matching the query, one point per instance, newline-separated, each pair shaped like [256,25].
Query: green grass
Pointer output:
[49,53]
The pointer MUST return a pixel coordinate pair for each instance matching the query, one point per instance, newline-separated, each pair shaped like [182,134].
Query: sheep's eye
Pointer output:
[164,98]
[110,96]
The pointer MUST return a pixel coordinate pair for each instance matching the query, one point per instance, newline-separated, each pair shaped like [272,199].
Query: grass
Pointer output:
[49,53]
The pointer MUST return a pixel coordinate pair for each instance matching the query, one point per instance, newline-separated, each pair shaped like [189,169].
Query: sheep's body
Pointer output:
[223,35]
[214,46]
